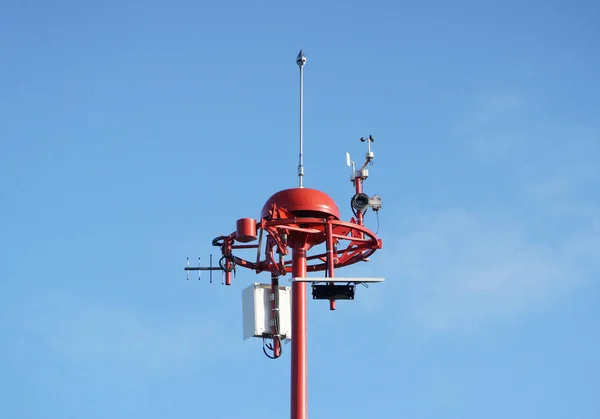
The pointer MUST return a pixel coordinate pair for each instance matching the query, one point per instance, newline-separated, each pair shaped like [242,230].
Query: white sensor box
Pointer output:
[257,309]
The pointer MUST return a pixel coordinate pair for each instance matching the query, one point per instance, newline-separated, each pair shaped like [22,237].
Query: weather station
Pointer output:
[299,232]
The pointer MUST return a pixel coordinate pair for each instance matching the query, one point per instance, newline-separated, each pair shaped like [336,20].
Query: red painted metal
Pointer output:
[362,243]
[302,201]
[358,186]
[229,260]
[294,221]
[299,388]
[245,230]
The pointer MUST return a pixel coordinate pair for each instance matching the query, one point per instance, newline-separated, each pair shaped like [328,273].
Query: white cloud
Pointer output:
[465,267]
[459,270]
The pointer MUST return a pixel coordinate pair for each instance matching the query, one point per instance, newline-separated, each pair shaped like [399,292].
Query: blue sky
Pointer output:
[132,133]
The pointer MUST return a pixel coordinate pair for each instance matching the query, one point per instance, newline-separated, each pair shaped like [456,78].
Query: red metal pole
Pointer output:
[228,263]
[299,392]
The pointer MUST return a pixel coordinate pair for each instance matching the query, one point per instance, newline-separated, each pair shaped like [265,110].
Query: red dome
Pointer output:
[303,202]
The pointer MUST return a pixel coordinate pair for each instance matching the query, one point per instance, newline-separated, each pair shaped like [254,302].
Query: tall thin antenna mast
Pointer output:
[301,60]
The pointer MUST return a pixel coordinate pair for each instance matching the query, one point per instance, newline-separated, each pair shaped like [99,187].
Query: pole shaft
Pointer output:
[299,392]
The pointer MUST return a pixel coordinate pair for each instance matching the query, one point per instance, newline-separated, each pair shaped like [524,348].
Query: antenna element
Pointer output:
[301,60]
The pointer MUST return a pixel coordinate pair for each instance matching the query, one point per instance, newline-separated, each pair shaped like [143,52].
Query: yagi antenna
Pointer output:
[301,60]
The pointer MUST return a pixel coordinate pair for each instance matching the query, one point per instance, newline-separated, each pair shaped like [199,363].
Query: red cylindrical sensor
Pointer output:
[245,230]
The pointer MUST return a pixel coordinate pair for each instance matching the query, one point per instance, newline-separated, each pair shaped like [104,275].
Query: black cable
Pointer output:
[352,207]
[275,337]
[377,212]
[271,347]
[223,263]
[265,351]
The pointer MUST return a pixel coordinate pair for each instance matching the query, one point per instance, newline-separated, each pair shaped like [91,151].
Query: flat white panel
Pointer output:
[248,310]
[257,310]
[261,315]
[285,312]
[337,279]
